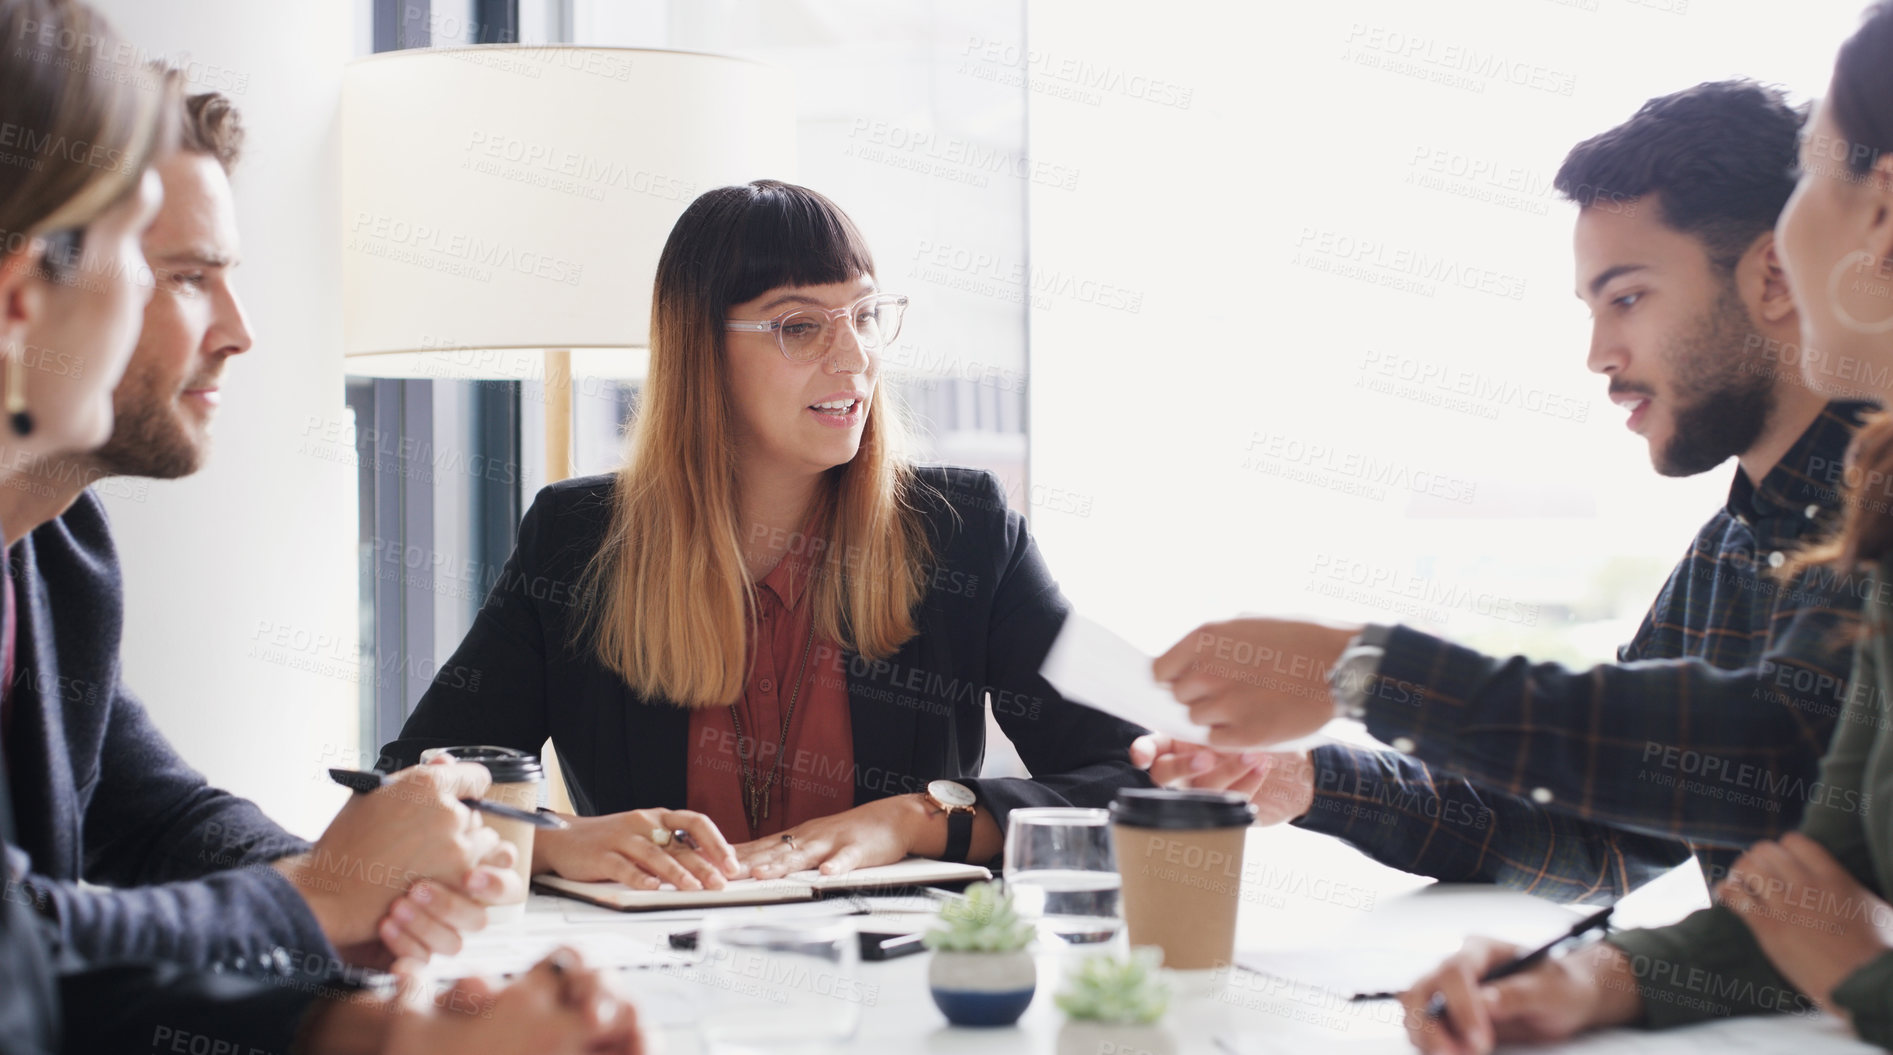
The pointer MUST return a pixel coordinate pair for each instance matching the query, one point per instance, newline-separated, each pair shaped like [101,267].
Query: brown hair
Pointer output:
[667,597]
[1861,105]
[212,126]
[86,118]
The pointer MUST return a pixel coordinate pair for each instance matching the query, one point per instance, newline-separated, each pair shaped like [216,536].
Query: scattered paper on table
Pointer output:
[1400,939]
[1803,1034]
[511,949]
[1341,972]
[1093,666]
[580,912]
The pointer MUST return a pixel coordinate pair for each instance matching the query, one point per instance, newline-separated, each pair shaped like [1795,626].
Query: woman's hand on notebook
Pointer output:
[621,847]
[877,833]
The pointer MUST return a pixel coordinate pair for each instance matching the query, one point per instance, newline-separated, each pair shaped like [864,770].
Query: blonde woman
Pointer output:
[770,630]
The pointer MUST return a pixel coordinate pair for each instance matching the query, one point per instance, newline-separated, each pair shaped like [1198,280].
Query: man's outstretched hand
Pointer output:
[1255,682]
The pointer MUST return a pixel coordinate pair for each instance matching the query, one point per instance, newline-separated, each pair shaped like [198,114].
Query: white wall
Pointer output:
[1220,297]
[240,582]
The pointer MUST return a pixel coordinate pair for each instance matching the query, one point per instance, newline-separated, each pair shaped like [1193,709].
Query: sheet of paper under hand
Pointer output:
[1329,1032]
[1093,666]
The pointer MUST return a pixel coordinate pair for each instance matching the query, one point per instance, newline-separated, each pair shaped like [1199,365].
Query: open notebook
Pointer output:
[796,886]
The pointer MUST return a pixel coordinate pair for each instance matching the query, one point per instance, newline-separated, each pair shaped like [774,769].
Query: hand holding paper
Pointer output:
[1256,682]
[1093,666]
[1248,682]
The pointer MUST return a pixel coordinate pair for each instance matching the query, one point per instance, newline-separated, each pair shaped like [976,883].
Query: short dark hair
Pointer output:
[212,126]
[1718,160]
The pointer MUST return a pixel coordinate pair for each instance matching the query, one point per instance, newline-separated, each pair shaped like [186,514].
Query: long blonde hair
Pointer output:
[667,597]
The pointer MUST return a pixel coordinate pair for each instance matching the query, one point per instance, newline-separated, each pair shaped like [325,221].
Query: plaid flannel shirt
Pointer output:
[1705,736]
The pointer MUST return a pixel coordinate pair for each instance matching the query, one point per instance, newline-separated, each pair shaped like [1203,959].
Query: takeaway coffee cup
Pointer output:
[1179,854]
[516,780]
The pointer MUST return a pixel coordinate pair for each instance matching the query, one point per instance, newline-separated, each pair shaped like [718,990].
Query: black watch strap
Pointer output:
[959,836]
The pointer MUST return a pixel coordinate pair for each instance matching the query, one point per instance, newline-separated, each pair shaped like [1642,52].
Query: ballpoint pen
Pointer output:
[361,780]
[1437,1006]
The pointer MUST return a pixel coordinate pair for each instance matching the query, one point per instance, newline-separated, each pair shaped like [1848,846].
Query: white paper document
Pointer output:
[1093,666]
[1403,938]
[1762,1035]
[510,949]
[574,911]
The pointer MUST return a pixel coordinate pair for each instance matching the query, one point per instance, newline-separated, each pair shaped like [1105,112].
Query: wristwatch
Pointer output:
[959,803]
[1349,681]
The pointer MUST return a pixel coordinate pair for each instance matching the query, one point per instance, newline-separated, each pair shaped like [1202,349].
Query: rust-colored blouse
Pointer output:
[817,772]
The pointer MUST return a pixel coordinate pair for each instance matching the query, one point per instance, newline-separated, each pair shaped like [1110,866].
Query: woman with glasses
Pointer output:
[1801,924]
[770,629]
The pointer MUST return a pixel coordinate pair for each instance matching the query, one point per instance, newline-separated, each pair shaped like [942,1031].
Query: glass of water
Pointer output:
[1061,872]
[780,987]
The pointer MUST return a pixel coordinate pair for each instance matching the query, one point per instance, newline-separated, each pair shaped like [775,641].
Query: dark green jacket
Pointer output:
[1708,966]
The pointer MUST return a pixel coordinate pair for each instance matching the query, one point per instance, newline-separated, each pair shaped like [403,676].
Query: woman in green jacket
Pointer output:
[1804,923]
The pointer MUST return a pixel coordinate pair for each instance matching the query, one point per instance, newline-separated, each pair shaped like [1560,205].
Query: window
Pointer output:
[1308,341]
[441,470]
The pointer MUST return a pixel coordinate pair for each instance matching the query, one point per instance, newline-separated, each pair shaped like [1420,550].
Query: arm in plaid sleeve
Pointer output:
[1674,748]
[1392,809]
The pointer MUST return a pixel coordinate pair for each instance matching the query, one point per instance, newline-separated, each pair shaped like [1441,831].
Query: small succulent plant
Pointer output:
[982,921]
[1116,989]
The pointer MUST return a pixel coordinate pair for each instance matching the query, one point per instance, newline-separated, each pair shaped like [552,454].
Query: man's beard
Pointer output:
[148,439]
[1719,408]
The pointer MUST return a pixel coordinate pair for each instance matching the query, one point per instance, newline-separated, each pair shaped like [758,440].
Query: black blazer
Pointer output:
[985,625]
[101,796]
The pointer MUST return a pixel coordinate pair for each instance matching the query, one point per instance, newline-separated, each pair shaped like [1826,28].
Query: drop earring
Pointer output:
[1858,260]
[17,416]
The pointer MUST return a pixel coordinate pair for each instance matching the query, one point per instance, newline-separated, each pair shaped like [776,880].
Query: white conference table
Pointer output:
[1314,911]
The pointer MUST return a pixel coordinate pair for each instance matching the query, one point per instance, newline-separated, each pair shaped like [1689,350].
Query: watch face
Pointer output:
[949,793]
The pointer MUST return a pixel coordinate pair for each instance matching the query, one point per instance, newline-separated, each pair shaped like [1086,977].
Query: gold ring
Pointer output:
[790,839]
[660,836]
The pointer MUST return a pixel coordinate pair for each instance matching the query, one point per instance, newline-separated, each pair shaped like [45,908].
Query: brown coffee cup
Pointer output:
[1179,853]
[517,777]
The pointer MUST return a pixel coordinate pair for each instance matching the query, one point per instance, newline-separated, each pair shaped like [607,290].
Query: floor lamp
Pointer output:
[503,207]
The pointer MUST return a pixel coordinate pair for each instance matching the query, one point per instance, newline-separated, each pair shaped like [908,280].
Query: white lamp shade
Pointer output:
[499,200]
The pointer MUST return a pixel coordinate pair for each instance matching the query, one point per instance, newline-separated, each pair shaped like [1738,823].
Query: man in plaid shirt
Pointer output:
[1706,734]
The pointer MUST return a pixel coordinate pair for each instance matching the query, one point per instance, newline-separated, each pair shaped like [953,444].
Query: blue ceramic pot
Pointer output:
[982,988]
